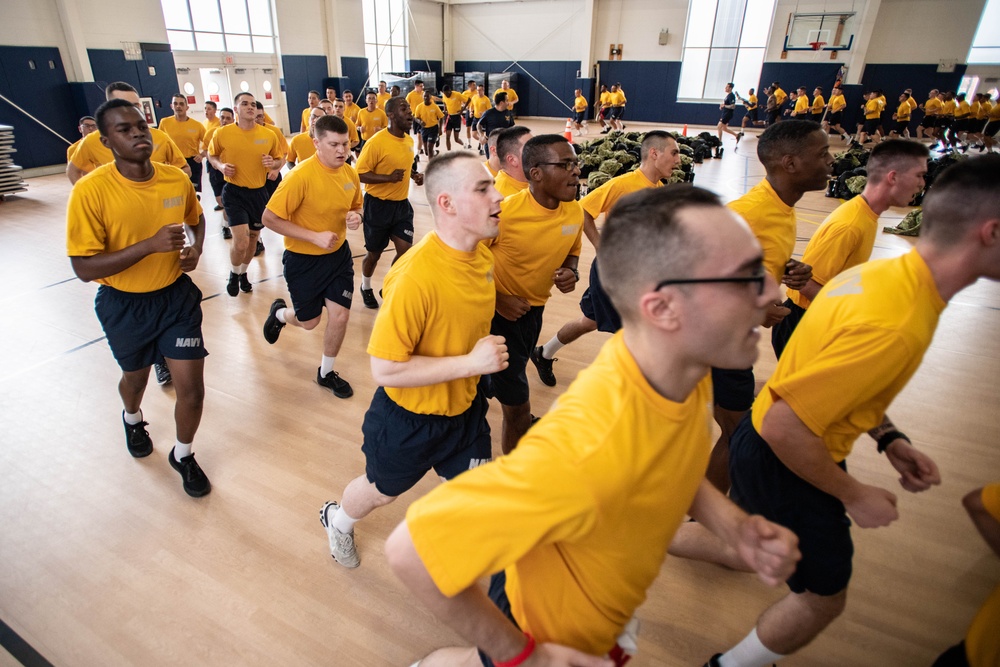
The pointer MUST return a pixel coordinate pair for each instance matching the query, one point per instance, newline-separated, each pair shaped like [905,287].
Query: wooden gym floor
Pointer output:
[104,559]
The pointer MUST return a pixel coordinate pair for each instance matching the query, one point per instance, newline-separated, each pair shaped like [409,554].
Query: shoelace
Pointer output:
[133,430]
[192,470]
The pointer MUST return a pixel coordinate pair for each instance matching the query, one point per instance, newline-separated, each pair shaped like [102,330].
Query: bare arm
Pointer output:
[74,173]
[192,253]
[168,239]
[488,356]
[590,230]
[371,178]
[985,523]
[326,239]
[470,613]
[810,289]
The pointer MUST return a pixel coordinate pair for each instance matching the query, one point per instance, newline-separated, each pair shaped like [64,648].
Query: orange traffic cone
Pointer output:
[685,132]
[568,132]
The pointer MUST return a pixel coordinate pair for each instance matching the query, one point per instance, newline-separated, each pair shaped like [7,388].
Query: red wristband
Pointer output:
[525,653]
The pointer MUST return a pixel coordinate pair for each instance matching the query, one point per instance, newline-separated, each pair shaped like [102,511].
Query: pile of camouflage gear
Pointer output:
[908,226]
[618,153]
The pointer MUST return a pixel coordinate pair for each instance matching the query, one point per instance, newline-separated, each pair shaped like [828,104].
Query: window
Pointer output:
[724,41]
[969,85]
[986,44]
[231,26]
[386,43]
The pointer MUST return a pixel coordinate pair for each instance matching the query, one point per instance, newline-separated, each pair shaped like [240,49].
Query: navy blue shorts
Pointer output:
[245,206]
[215,179]
[510,386]
[142,327]
[733,388]
[454,122]
[596,305]
[270,186]
[899,126]
[579,117]
[761,484]
[782,331]
[929,121]
[314,279]
[195,172]
[871,125]
[816,117]
[617,113]
[498,595]
[835,118]
[430,133]
[383,219]
[400,446]
[727,115]
[992,128]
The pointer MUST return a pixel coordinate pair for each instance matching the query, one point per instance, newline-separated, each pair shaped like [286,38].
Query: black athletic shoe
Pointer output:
[260,249]
[233,286]
[272,325]
[738,137]
[163,375]
[196,484]
[368,296]
[137,438]
[713,661]
[218,207]
[227,233]
[245,285]
[605,130]
[544,367]
[340,387]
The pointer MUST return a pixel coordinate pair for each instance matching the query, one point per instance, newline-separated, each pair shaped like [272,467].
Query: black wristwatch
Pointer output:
[577,274]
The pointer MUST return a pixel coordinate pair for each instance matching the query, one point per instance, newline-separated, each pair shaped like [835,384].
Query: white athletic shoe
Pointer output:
[341,544]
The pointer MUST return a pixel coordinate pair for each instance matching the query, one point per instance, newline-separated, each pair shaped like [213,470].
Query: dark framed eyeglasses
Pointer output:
[568,165]
[758,279]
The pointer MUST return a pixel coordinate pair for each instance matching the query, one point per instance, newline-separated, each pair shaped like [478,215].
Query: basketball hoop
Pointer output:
[816,46]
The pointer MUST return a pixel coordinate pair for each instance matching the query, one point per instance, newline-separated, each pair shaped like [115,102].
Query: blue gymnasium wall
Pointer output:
[44,93]
[110,65]
[302,74]
[425,66]
[533,100]
[356,71]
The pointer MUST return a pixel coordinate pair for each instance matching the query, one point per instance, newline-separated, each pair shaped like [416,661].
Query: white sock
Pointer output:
[280,314]
[366,282]
[133,419]
[550,348]
[342,522]
[243,268]
[181,450]
[749,653]
[237,269]
[327,365]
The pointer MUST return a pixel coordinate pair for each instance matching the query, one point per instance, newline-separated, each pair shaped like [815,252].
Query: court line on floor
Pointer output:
[22,651]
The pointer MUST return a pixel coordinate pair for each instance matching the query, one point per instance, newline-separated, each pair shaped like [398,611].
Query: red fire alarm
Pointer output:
[191,99]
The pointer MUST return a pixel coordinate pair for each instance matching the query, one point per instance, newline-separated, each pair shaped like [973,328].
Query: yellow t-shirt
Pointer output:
[845,239]
[207,139]
[107,213]
[818,104]
[780,96]
[603,198]
[428,114]
[511,95]
[606,99]
[598,486]
[772,222]
[381,99]
[453,102]
[72,149]
[982,642]
[580,104]
[91,153]
[300,148]
[352,112]
[802,105]
[413,98]
[480,103]
[317,198]
[837,103]
[912,102]
[494,174]
[533,242]
[933,107]
[370,122]
[282,141]
[187,135]
[439,302]
[903,112]
[963,110]
[213,124]
[753,102]
[858,345]
[508,185]
[948,108]
[618,99]
[304,126]
[384,154]
[978,110]
[881,102]
[994,112]
[244,149]
[873,110]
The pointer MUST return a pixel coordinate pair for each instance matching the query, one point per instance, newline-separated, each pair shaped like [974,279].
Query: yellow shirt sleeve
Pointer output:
[772,222]
[384,154]
[801,104]
[818,104]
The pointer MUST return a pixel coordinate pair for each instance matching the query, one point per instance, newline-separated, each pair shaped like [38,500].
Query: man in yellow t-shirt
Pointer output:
[86,125]
[510,144]
[430,115]
[302,147]
[802,110]
[580,106]
[352,129]
[946,121]
[212,122]
[538,247]
[835,115]
[512,98]
[932,111]
[371,119]
[215,177]
[981,646]
[779,95]
[382,96]
[313,208]
[429,346]
[603,481]
[896,172]
[92,153]
[127,227]
[271,184]
[188,135]
[617,101]
[873,118]
[751,117]
[211,115]
[659,156]
[415,98]
[248,155]
[603,109]
[479,104]
[818,105]
[471,92]
[351,110]
[386,167]
[314,98]
[901,118]
[860,343]
[796,158]
[453,105]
